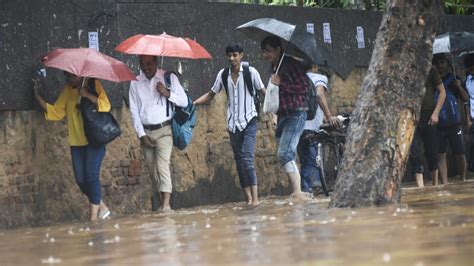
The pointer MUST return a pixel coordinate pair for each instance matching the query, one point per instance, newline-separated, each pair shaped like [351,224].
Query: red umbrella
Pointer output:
[163,45]
[87,62]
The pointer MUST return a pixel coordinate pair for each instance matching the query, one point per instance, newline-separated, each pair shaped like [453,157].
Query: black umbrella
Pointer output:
[296,40]
[454,42]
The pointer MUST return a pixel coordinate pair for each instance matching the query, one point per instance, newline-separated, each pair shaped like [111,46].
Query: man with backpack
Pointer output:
[290,75]
[151,117]
[450,120]
[308,151]
[426,132]
[242,84]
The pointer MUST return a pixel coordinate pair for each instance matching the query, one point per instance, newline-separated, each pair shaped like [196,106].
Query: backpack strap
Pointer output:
[248,79]
[224,76]
[167,77]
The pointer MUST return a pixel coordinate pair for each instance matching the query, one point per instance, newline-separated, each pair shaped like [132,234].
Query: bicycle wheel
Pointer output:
[330,161]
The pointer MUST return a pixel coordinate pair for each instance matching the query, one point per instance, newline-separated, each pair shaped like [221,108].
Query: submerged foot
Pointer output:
[166,210]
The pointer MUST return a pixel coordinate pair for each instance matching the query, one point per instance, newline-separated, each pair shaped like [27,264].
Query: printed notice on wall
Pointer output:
[360,37]
[94,40]
[327,32]
[310,27]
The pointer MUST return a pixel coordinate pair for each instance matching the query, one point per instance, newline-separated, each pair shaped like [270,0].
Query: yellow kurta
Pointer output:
[66,105]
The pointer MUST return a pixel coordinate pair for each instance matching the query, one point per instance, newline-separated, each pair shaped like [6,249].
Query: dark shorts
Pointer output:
[454,135]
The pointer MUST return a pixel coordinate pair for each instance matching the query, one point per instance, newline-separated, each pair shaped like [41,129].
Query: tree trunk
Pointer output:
[388,106]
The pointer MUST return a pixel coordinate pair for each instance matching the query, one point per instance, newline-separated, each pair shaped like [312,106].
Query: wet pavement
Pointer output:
[432,226]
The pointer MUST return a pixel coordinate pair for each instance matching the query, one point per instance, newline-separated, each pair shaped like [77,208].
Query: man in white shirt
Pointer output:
[307,151]
[469,65]
[151,116]
[242,116]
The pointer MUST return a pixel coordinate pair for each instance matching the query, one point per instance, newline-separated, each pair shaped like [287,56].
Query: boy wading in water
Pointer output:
[241,84]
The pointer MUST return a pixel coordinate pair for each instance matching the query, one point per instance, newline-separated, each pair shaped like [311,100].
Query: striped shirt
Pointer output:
[240,104]
[293,86]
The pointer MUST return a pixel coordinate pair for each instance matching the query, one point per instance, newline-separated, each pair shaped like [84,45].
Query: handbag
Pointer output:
[99,127]
[271,102]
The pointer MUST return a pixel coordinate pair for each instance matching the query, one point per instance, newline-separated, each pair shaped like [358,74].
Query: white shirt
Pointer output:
[317,121]
[240,104]
[470,90]
[148,106]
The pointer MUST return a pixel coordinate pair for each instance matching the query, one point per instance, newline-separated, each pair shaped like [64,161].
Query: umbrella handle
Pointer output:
[279,64]
[83,82]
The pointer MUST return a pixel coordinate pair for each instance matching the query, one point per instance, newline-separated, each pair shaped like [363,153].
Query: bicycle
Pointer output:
[330,145]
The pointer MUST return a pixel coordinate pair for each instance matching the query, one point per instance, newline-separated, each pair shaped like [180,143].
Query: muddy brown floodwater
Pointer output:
[432,226]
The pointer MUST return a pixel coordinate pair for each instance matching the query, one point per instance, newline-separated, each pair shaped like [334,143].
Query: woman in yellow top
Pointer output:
[86,158]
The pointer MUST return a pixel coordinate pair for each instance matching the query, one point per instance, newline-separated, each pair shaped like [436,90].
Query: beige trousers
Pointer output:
[157,159]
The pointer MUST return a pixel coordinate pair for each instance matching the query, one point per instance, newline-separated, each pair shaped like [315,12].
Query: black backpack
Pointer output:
[311,100]
[248,83]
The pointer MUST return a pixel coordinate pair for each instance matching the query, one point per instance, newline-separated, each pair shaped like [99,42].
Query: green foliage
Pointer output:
[461,7]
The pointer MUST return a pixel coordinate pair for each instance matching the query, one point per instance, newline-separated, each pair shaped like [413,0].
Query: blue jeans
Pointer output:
[243,146]
[310,173]
[86,161]
[288,134]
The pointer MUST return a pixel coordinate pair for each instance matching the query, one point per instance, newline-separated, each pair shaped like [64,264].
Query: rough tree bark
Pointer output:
[388,106]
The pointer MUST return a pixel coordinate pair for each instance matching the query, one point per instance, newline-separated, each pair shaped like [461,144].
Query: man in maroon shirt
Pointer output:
[293,88]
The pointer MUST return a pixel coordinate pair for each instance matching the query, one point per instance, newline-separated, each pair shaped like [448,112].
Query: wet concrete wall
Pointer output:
[36,181]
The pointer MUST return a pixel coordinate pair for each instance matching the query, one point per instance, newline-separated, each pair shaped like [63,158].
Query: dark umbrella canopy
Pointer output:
[296,40]
[454,42]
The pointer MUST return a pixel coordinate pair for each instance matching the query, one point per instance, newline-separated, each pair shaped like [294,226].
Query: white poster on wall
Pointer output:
[310,27]
[360,37]
[327,33]
[94,40]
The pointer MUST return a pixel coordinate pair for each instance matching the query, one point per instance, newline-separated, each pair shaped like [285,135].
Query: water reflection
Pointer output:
[431,226]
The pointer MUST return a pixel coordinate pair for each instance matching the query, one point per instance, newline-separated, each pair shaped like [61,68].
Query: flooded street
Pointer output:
[432,226]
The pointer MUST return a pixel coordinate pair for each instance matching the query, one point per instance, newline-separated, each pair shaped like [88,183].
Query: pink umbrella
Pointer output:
[163,45]
[87,62]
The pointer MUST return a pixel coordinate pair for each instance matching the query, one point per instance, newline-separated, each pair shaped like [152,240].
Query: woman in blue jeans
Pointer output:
[86,158]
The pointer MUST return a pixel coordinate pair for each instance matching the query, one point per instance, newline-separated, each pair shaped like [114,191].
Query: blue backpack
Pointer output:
[450,114]
[183,121]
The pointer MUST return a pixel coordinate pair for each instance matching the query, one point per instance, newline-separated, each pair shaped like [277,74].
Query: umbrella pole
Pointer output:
[161,62]
[83,82]
[454,66]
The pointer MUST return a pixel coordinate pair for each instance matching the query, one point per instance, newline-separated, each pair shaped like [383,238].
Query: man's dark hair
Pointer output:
[469,60]
[439,58]
[232,48]
[273,41]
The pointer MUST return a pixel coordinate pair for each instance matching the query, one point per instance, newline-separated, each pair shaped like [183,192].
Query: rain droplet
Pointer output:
[254,228]
[395,214]
[353,212]
[51,260]
[291,203]
[90,243]
[208,225]
[87,229]
[52,240]
[116,226]
[387,257]
[117,239]
[81,229]
[272,218]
